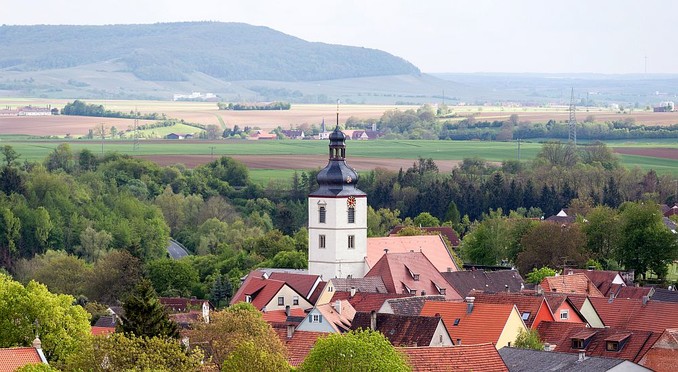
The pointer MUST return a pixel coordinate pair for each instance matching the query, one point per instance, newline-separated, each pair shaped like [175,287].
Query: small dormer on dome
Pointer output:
[337,178]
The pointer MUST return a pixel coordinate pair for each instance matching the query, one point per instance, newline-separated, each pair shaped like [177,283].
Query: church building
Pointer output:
[337,218]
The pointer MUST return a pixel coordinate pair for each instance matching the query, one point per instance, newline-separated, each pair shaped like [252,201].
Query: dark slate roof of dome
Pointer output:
[337,178]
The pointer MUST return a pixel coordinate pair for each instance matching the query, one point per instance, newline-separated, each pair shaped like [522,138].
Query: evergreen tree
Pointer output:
[145,315]
[611,196]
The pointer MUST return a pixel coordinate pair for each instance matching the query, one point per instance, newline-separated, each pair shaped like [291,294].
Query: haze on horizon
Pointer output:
[461,36]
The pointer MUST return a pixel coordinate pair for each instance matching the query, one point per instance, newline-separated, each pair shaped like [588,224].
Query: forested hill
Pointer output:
[168,51]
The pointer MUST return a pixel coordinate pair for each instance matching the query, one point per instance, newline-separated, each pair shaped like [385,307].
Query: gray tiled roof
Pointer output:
[371,284]
[489,281]
[519,360]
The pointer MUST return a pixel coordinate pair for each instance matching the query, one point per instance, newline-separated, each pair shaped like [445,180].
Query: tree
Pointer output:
[122,352]
[231,334]
[529,339]
[10,227]
[114,277]
[359,350]
[558,153]
[59,271]
[488,241]
[425,219]
[381,221]
[537,275]
[602,233]
[60,158]
[452,214]
[30,311]
[646,244]
[172,277]
[145,315]
[549,244]
[10,155]
[94,244]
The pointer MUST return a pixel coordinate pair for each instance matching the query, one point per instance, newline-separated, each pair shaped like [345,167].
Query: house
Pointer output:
[174,136]
[269,294]
[633,314]
[480,280]
[262,135]
[184,305]
[602,342]
[411,273]
[13,358]
[562,218]
[663,354]
[432,246]
[293,133]
[405,330]
[533,309]
[102,331]
[606,281]
[9,112]
[410,305]
[571,283]
[446,231]
[365,301]
[372,284]
[482,357]
[526,360]
[564,309]
[329,318]
[34,111]
[470,323]
[306,284]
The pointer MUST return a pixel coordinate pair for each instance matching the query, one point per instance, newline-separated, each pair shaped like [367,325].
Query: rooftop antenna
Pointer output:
[572,123]
[338,101]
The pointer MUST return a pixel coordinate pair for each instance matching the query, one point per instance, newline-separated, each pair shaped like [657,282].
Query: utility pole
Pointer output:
[103,135]
[572,123]
[212,151]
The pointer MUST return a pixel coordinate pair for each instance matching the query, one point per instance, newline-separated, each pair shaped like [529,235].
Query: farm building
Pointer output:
[667,106]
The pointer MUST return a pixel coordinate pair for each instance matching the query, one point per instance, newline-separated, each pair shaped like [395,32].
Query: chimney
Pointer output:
[646,299]
[459,342]
[373,320]
[582,356]
[507,288]
[540,290]
[37,343]
[290,331]
[469,304]
[337,307]
[352,292]
[449,269]
[287,310]
[385,250]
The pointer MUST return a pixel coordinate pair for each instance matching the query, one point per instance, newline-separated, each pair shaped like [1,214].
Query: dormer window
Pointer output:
[612,346]
[351,215]
[248,298]
[616,342]
[577,343]
[440,289]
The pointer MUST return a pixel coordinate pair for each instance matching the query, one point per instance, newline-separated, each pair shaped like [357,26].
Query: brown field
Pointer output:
[59,125]
[641,117]
[294,161]
[666,153]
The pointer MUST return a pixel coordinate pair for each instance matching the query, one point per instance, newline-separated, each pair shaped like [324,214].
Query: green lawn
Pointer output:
[438,150]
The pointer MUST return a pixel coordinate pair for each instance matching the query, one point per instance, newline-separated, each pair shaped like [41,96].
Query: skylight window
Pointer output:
[525,316]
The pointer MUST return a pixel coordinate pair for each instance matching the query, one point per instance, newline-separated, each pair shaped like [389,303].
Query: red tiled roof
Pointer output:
[524,304]
[574,283]
[602,279]
[16,357]
[616,312]
[633,347]
[445,231]
[363,301]
[481,280]
[482,357]
[432,246]
[663,354]
[402,272]
[484,324]
[302,283]
[633,292]
[261,290]
[98,331]
[555,333]
[300,345]
[280,316]
[400,330]
[340,321]
[313,298]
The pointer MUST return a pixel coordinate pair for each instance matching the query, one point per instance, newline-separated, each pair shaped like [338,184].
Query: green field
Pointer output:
[35,150]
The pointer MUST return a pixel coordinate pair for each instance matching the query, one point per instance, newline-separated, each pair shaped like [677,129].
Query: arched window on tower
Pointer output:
[351,215]
[322,214]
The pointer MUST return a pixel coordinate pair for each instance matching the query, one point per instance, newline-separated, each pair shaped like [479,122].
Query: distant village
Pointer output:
[29,111]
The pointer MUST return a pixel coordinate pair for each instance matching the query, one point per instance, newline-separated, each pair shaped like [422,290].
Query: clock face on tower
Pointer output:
[350,202]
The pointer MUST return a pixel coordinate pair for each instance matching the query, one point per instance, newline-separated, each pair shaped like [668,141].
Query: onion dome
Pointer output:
[337,178]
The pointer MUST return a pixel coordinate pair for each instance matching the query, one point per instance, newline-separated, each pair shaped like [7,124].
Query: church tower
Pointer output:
[337,218]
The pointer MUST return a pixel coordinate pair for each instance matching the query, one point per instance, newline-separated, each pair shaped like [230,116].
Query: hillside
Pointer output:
[175,51]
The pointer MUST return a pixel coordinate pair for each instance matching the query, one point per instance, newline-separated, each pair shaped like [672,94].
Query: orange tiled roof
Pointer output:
[632,314]
[341,322]
[524,303]
[300,345]
[483,324]
[98,331]
[482,357]
[574,283]
[15,357]
[412,271]
[432,246]
[365,301]
[602,279]
[261,290]
[280,316]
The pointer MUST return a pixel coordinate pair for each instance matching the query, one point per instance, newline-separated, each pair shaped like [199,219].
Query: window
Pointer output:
[281,301]
[330,289]
[351,215]
[321,242]
[415,277]
[322,214]
[351,241]
[295,300]
[564,314]
[525,316]
[316,318]
[612,346]
[456,321]
[248,298]
[577,343]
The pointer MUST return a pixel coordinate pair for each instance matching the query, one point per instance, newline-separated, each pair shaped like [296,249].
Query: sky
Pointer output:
[457,36]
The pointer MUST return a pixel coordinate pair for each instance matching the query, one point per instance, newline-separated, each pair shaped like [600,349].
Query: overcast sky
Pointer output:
[600,36]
